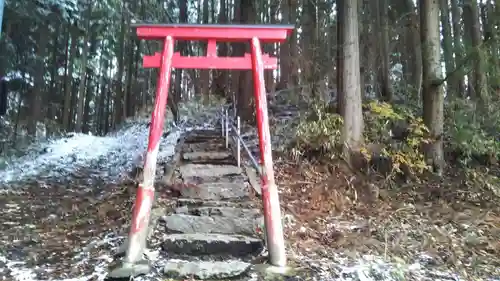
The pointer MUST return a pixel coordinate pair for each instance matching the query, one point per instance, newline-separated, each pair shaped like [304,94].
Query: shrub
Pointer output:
[400,136]
[471,133]
[318,133]
[391,135]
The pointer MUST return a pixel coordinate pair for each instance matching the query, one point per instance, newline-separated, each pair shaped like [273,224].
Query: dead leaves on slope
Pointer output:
[334,208]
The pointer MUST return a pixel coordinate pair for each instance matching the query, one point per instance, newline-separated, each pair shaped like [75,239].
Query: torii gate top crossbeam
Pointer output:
[212,33]
[222,32]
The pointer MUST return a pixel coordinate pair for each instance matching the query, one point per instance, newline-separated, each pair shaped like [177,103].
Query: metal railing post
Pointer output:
[222,123]
[227,128]
[238,130]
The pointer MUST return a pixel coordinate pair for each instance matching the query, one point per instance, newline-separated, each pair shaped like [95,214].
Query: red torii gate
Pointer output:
[168,59]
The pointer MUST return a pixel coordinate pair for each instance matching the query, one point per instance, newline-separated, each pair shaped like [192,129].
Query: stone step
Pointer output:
[212,244]
[180,223]
[234,212]
[239,179]
[207,170]
[193,203]
[206,155]
[216,191]
[204,132]
[205,270]
[201,138]
[216,145]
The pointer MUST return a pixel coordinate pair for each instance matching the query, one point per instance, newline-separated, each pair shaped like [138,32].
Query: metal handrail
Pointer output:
[227,127]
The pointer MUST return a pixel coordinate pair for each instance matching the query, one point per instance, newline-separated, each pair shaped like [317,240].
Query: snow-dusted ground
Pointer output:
[112,157]
[108,158]
[113,154]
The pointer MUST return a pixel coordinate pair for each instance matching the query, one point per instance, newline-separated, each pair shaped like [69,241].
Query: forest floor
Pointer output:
[67,204]
[437,230]
[346,225]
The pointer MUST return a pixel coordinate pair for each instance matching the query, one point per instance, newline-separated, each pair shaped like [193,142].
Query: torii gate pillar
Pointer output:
[257,62]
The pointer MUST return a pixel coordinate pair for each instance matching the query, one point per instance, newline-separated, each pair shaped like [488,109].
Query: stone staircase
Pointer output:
[212,230]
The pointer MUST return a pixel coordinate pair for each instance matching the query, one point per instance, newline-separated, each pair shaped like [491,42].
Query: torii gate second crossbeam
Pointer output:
[168,59]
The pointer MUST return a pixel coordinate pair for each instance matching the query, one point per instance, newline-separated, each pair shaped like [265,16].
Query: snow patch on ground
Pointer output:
[374,268]
[111,156]
[19,272]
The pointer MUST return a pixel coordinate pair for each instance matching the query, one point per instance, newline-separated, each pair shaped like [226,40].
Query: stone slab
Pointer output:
[212,244]
[208,145]
[239,179]
[200,138]
[205,270]
[234,212]
[204,132]
[181,202]
[207,170]
[206,155]
[180,223]
[216,191]
[127,271]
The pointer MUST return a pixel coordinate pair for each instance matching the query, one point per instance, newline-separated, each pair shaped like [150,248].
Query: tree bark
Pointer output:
[83,74]
[245,105]
[385,91]
[118,101]
[433,98]
[353,116]
[413,35]
[457,47]
[447,45]
[38,91]
[68,81]
[480,90]
[340,64]
[205,74]
[309,46]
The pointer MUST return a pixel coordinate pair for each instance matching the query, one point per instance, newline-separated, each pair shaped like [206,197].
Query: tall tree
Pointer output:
[309,44]
[447,44]
[205,74]
[353,116]
[479,83]
[412,35]
[70,56]
[118,104]
[384,83]
[39,90]
[459,79]
[288,51]
[433,98]
[248,14]
[83,73]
